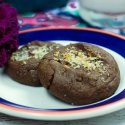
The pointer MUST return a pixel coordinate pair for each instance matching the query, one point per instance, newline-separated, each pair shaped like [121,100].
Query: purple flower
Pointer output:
[8,32]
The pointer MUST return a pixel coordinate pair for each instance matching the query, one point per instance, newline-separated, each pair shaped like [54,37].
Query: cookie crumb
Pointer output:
[65,95]
[24,62]
[79,59]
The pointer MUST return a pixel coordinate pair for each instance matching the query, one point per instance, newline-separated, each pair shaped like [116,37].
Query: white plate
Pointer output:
[36,103]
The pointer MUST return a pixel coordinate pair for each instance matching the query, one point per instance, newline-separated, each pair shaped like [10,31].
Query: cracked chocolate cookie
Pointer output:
[23,64]
[79,73]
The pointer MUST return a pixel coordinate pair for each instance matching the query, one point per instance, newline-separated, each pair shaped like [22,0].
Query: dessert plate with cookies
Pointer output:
[62,73]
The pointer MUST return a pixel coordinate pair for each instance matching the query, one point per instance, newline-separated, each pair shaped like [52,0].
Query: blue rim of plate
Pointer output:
[112,41]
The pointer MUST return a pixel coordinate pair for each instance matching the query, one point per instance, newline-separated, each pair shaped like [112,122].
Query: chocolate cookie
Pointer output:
[79,73]
[23,64]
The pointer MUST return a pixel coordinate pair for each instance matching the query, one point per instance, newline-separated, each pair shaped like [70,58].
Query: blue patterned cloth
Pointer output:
[66,16]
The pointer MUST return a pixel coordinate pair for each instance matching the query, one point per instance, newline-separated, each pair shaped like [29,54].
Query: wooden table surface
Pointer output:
[116,118]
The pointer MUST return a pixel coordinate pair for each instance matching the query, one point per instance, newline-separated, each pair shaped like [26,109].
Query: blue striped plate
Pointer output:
[36,103]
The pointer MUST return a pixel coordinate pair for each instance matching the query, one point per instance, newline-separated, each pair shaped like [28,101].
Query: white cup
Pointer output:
[103,13]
